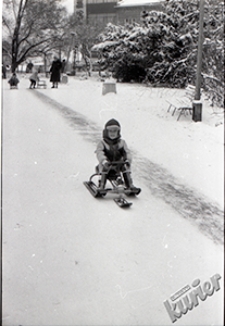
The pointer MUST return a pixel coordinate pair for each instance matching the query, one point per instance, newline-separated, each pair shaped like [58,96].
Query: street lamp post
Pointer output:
[197,104]
[74,53]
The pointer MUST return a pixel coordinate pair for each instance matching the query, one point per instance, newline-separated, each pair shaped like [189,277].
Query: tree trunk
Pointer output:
[13,65]
[45,65]
[15,41]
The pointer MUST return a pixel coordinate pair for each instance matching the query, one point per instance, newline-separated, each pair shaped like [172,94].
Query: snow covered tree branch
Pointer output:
[163,49]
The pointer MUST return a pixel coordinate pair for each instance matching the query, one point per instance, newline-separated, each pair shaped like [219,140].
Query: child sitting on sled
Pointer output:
[13,81]
[110,149]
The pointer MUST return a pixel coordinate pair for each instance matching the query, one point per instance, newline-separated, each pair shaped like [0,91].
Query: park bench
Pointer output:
[183,104]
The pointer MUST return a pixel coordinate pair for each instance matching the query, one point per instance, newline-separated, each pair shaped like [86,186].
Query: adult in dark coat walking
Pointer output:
[55,71]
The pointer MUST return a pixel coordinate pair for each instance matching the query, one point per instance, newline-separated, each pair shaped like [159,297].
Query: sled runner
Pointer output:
[117,186]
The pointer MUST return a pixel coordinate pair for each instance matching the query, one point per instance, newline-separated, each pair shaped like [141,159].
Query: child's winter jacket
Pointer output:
[112,149]
[34,77]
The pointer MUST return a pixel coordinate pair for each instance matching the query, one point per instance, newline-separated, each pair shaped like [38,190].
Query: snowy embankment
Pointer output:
[180,161]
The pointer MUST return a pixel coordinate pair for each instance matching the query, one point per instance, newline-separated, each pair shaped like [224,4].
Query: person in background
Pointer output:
[63,66]
[3,71]
[34,79]
[13,81]
[29,67]
[55,71]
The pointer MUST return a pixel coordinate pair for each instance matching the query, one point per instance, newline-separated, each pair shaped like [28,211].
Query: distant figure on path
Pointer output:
[63,66]
[55,71]
[3,71]
[29,67]
[13,81]
[34,79]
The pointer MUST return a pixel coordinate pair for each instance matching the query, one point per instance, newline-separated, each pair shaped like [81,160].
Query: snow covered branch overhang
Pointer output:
[105,45]
[135,3]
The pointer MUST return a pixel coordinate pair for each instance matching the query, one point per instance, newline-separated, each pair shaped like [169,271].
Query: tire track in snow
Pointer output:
[189,203]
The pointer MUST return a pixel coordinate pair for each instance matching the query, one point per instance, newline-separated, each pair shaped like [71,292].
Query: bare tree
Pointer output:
[30,26]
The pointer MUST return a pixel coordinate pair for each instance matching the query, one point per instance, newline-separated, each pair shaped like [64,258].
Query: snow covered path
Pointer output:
[190,203]
[69,259]
[192,152]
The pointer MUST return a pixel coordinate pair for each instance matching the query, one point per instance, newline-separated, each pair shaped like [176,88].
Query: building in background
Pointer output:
[97,11]
[80,5]
[129,11]
[101,11]
[115,11]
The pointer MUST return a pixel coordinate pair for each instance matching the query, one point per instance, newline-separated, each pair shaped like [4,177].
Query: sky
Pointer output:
[133,2]
[68,4]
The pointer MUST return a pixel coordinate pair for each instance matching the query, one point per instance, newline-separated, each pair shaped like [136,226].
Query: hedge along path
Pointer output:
[189,203]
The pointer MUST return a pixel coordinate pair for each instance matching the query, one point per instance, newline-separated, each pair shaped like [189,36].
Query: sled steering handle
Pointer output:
[117,162]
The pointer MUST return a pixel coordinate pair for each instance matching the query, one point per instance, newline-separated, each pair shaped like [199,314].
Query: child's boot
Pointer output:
[103,181]
[129,182]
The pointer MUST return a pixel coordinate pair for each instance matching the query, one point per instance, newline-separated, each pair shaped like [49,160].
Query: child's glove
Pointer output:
[127,163]
[106,164]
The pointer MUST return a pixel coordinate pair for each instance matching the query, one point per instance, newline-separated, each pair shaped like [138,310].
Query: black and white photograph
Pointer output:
[112,163]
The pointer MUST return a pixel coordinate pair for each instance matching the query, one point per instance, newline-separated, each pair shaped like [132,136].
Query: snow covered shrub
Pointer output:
[213,53]
[213,45]
[180,42]
[128,69]
[162,50]
[177,44]
[125,50]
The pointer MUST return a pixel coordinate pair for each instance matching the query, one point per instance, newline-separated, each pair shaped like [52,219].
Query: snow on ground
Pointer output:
[187,157]
[193,152]
[71,260]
